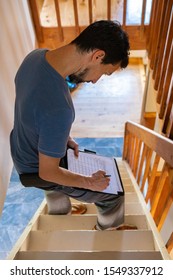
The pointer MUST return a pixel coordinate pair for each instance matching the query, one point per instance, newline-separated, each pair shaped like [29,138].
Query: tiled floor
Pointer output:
[21,203]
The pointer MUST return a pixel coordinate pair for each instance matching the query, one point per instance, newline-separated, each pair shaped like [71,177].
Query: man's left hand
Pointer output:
[72,144]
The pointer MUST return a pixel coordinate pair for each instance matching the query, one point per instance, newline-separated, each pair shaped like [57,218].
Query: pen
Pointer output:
[107,175]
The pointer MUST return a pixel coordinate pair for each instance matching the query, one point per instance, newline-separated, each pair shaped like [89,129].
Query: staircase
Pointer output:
[70,237]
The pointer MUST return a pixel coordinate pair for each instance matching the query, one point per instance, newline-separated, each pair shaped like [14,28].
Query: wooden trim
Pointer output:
[153,140]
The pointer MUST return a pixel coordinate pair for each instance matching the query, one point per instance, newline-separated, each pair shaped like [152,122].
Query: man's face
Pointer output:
[93,73]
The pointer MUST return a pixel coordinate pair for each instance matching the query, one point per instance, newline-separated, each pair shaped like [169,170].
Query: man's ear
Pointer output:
[98,56]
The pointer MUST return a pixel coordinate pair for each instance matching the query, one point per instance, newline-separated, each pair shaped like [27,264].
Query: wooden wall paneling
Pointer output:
[165,59]
[58,17]
[167,81]
[36,20]
[137,42]
[160,56]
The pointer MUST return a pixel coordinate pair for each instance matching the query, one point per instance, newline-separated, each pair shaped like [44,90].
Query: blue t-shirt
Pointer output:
[44,113]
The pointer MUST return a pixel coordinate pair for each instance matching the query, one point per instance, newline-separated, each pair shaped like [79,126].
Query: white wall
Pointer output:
[17,39]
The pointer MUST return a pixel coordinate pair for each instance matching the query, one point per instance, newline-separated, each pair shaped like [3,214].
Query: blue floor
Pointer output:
[21,203]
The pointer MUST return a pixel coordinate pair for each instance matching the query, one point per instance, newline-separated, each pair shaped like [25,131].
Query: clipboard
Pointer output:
[88,162]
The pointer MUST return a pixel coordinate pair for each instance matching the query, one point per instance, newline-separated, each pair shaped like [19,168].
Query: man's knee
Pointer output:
[57,202]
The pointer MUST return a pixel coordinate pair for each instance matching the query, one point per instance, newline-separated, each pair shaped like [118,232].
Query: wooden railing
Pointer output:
[60,33]
[150,157]
[160,53]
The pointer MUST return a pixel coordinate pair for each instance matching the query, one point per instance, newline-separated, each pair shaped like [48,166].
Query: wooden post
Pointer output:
[124,13]
[36,20]
[143,18]
[90,11]
[76,16]
[58,17]
[108,9]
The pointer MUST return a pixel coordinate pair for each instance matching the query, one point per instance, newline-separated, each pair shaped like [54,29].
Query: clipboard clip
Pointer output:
[89,151]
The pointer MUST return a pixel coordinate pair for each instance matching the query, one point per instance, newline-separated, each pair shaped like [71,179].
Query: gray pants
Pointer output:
[110,207]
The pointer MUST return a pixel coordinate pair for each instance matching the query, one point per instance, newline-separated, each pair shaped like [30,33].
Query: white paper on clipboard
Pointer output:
[89,163]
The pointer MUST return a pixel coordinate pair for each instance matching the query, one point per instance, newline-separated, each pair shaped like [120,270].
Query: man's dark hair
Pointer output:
[108,36]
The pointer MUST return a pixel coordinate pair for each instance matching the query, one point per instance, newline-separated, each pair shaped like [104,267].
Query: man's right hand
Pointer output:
[98,181]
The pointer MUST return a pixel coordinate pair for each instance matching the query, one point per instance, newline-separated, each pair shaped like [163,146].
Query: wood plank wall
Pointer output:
[160,53]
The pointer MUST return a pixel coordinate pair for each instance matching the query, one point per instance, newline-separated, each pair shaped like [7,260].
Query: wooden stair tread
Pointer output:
[82,222]
[90,240]
[104,255]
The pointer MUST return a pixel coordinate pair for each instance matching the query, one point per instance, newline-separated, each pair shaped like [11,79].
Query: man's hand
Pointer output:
[98,181]
[72,144]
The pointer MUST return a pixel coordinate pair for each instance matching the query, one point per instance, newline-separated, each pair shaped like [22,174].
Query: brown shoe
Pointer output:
[78,209]
[121,227]
[126,227]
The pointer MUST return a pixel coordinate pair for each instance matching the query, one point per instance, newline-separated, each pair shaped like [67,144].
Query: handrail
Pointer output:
[155,141]
[149,155]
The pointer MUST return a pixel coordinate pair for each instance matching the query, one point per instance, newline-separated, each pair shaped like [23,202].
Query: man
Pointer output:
[44,114]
